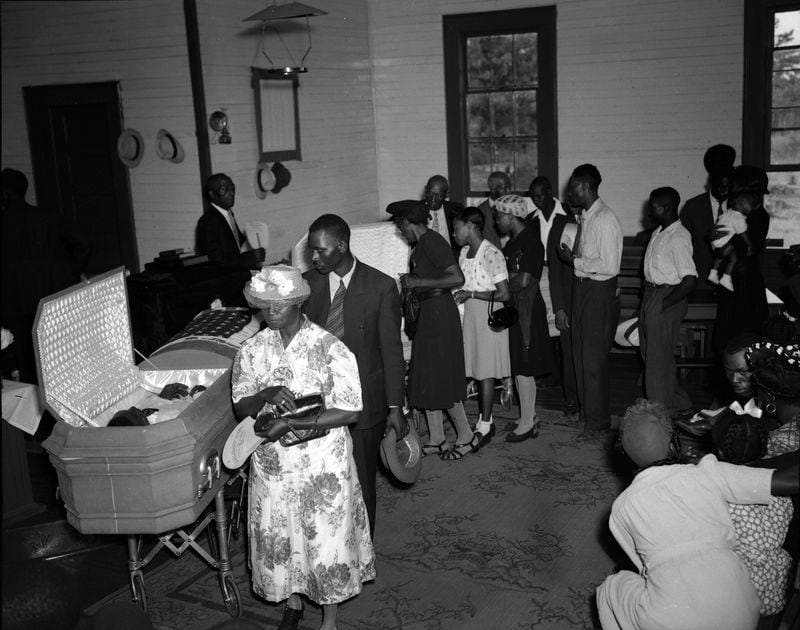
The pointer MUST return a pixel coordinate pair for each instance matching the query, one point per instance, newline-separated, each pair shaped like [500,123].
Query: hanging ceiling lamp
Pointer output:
[288,11]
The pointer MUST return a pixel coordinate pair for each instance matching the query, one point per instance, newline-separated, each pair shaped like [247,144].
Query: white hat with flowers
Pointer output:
[276,284]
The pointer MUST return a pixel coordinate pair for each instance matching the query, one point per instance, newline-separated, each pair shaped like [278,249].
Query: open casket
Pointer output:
[129,479]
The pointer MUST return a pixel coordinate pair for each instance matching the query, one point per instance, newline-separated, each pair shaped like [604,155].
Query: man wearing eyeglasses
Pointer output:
[440,209]
[218,234]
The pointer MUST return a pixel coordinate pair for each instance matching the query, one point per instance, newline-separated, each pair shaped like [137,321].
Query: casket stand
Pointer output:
[140,480]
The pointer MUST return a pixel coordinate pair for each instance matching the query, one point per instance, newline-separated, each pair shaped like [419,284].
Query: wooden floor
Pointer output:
[51,573]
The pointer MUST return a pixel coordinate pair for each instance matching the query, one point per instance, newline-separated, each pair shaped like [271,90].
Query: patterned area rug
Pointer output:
[513,536]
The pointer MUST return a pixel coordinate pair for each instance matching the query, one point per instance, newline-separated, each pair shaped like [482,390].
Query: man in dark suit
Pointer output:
[441,210]
[369,324]
[700,213]
[218,234]
[561,276]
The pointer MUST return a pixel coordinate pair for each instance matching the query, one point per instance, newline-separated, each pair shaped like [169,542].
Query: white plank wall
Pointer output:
[644,87]
[142,45]
[338,172]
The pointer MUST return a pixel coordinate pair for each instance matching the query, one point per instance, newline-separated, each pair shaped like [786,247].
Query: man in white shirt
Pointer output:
[595,308]
[441,210]
[670,275]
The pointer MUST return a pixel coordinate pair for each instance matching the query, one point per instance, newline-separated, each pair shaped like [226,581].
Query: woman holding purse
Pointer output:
[529,338]
[485,281]
[436,379]
[308,527]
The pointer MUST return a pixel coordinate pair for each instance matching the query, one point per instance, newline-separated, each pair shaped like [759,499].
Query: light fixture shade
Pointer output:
[286,11]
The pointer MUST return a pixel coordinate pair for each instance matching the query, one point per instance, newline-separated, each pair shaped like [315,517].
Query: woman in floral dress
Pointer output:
[308,527]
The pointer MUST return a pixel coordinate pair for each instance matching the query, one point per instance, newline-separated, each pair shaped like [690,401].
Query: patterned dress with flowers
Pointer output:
[308,526]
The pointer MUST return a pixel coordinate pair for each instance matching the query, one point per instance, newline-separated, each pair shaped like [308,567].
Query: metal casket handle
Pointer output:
[210,469]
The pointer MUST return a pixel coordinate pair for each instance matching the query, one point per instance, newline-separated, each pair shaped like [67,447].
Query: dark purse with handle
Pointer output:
[275,426]
[410,312]
[502,318]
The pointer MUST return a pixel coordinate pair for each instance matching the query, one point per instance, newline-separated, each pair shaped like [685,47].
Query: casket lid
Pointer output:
[84,349]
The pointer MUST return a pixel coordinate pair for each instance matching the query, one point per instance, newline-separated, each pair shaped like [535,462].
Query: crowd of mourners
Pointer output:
[704,523]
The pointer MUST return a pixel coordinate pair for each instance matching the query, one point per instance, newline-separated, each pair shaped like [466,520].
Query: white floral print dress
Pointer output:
[308,526]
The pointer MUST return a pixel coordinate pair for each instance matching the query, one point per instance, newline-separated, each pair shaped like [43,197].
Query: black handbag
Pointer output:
[410,312]
[278,426]
[502,318]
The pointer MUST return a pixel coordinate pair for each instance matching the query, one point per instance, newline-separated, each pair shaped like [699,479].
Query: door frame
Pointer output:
[39,103]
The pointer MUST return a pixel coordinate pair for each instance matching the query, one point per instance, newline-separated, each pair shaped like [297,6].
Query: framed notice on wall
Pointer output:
[277,121]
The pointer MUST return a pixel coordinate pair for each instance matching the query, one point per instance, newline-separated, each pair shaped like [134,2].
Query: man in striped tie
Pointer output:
[361,306]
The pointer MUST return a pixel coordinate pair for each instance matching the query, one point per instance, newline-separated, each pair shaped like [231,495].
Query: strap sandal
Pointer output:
[455,455]
[440,448]
[291,618]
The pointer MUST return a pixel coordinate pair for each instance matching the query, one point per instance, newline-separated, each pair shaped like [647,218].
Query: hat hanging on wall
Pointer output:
[168,148]
[282,177]
[130,147]
[265,180]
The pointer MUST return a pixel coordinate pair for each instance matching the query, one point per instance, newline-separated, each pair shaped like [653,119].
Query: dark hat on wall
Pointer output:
[130,147]
[282,177]
[719,159]
[168,148]
[411,209]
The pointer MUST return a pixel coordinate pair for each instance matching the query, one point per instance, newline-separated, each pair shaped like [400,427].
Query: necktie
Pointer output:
[335,323]
[234,226]
[435,221]
[719,210]
[578,237]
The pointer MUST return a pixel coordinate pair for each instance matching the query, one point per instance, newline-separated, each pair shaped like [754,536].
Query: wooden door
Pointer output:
[73,131]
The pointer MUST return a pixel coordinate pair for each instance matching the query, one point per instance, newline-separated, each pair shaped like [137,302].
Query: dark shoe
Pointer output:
[570,408]
[459,450]
[532,433]
[291,619]
[483,438]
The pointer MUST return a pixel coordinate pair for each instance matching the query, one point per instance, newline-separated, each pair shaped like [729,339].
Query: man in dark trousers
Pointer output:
[670,275]
[699,214]
[596,259]
[218,234]
[441,209]
[361,306]
[561,276]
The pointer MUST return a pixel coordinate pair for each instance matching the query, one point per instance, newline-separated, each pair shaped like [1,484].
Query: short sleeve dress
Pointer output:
[529,339]
[674,525]
[307,522]
[436,378]
[485,350]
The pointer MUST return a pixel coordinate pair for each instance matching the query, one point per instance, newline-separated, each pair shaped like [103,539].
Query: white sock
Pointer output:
[713,276]
[726,282]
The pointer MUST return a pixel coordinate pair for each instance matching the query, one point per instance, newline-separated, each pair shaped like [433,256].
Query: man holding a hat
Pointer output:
[218,234]
[361,306]
[701,212]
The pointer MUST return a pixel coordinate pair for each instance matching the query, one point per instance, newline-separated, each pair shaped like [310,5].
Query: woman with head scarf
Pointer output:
[308,527]
[673,523]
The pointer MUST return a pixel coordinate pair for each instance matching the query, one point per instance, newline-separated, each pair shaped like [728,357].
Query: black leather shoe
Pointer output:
[533,432]
[291,619]
[570,408]
[485,438]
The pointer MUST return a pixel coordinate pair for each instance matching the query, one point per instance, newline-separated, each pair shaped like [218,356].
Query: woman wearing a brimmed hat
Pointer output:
[436,378]
[673,523]
[308,526]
